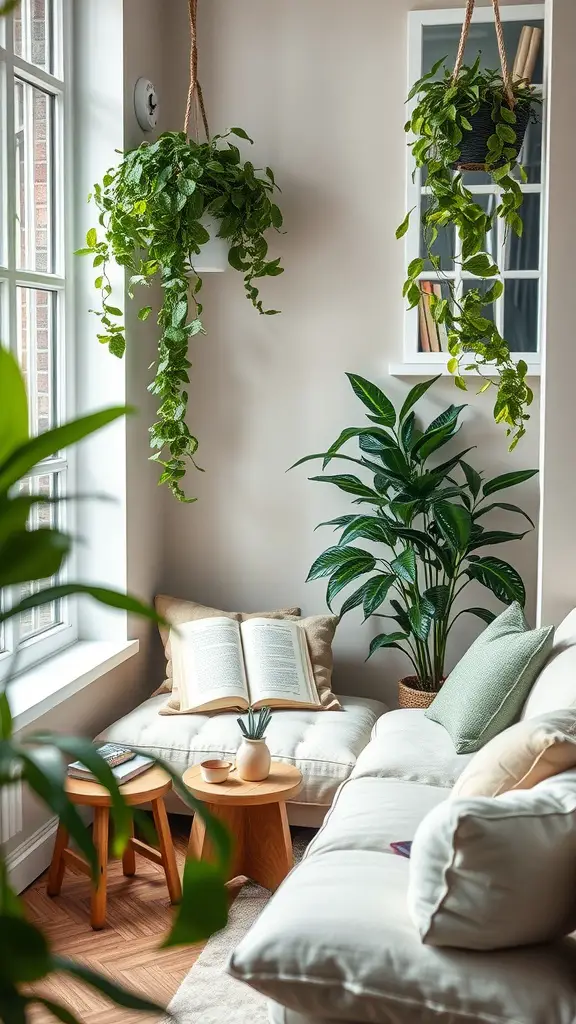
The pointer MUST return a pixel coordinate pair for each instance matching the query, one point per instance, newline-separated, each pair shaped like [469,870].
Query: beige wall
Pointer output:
[321,86]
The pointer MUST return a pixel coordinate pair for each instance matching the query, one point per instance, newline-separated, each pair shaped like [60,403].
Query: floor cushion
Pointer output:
[323,746]
[407,745]
[336,942]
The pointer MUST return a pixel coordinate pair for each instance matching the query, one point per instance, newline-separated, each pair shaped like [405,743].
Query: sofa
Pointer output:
[324,745]
[336,942]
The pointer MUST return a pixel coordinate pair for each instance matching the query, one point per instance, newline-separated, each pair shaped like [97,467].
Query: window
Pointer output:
[433,35]
[34,261]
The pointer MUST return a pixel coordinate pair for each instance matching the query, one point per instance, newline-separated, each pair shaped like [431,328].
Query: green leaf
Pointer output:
[117,346]
[420,621]
[480,613]
[489,537]
[404,565]
[500,483]
[454,523]
[499,577]
[373,398]
[119,995]
[438,597]
[350,484]
[450,415]
[431,440]
[387,640]
[204,906]
[403,227]
[13,405]
[480,265]
[111,598]
[347,573]
[375,592]
[334,558]
[26,455]
[241,134]
[56,1009]
[32,555]
[24,953]
[91,238]
[144,313]
[414,396]
[366,527]
[507,508]
[473,478]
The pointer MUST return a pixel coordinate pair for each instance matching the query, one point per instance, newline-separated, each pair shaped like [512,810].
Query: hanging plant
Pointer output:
[472,119]
[156,211]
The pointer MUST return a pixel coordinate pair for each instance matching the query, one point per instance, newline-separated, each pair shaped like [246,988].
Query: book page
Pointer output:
[277,663]
[207,665]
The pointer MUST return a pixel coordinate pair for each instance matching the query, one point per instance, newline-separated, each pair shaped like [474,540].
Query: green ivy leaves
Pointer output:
[442,115]
[150,209]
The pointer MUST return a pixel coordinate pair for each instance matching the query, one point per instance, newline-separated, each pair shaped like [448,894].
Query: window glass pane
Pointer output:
[524,253]
[521,315]
[432,337]
[33,151]
[531,152]
[38,620]
[33,32]
[442,41]
[35,312]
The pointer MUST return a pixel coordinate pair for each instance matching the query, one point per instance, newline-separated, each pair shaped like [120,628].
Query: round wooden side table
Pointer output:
[150,787]
[255,813]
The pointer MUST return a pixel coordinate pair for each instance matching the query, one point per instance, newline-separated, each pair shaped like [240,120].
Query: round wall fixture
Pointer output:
[146,104]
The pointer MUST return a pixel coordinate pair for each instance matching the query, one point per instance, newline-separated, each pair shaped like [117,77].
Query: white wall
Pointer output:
[321,87]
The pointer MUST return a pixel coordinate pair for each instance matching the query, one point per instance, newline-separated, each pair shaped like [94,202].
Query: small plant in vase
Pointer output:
[253,757]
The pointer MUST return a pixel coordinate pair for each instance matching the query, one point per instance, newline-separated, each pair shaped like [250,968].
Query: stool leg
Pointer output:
[167,850]
[129,857]
[56,873]
[100,837]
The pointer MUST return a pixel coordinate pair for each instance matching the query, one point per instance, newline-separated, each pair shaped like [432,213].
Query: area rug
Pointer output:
[210,996]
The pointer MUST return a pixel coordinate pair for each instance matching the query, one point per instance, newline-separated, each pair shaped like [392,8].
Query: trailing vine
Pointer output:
[447,110]
[150,216]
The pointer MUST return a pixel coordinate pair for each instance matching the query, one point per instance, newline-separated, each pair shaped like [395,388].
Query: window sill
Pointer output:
[47,685]
[430,367]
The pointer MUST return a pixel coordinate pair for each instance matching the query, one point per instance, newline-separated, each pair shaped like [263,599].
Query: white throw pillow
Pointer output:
[555,687]
[489,873]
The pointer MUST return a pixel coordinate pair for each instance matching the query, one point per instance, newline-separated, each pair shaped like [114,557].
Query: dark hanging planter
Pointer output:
[474,148]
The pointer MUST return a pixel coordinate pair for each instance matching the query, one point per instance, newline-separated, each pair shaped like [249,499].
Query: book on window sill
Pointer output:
[428,289]
[222,664]
[137,765]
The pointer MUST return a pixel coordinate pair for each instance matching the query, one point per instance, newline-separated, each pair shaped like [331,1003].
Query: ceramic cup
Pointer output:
[215,771]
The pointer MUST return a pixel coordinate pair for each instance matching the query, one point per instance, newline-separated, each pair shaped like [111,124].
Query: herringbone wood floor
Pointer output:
[139,915]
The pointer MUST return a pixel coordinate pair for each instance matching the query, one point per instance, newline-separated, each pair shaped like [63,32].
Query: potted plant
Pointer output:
[253,756]
[470,118]
[427,522]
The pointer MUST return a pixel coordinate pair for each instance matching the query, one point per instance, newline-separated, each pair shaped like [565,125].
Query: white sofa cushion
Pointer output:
[488,873]
[323,746]
[336,942]
[407,745]
[555,687]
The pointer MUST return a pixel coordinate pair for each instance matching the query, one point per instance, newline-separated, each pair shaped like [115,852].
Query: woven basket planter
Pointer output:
[474,148]
[410,697]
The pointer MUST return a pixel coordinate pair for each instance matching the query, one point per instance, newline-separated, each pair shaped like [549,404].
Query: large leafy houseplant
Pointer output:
[427,519]
[38,759]
[450,109]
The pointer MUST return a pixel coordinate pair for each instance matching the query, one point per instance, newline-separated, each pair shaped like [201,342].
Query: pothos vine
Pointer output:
[150,215]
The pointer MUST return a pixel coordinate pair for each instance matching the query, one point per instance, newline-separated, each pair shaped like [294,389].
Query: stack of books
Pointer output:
[526,54]
[125,764]
[433,336]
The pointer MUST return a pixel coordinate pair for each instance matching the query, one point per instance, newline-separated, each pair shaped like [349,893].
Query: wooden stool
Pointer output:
[149,787]
[255,813]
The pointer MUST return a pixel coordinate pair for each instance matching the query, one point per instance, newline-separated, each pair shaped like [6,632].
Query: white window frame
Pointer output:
[428,363]
[59,283]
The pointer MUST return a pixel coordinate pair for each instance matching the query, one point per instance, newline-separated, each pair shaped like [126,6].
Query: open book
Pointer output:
[220,663]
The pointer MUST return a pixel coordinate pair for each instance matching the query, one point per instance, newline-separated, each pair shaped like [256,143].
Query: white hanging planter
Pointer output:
[213,256]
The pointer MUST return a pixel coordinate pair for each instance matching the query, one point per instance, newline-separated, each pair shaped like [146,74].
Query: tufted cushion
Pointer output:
[324,747]
[407,745]
[336,942]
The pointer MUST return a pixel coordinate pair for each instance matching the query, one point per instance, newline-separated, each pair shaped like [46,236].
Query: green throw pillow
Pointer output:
[486,691]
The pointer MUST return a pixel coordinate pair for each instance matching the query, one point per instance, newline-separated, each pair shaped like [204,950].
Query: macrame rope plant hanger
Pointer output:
[482,121]
[195,108]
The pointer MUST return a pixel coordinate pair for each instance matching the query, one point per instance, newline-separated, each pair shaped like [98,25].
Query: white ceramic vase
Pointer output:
[253,760]
[213,256]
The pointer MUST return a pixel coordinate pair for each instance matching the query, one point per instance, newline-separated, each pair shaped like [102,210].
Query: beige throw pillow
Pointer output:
[319,630]
[521,756]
